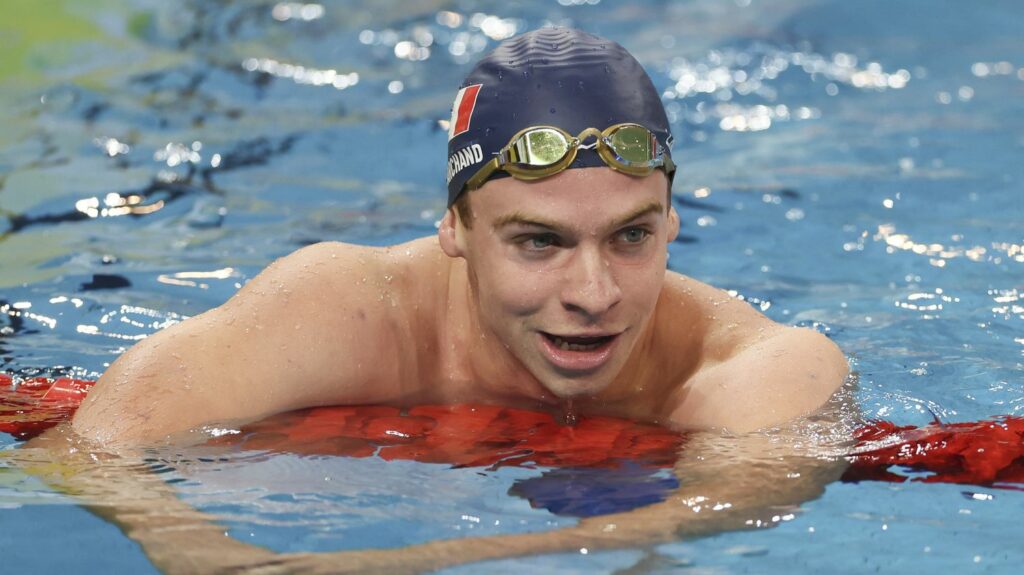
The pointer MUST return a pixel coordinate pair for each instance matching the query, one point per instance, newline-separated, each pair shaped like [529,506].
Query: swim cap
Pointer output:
[549,77]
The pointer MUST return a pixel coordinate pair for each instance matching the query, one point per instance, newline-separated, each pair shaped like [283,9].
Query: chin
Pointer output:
[571,388]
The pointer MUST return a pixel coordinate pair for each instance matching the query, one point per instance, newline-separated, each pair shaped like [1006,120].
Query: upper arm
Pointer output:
[308,330]
[788,374]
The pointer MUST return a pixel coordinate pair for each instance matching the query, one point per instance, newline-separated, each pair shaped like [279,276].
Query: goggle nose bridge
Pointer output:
[598,137]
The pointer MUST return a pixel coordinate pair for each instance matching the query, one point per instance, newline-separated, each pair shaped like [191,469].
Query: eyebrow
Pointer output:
[649,207]
[519,218]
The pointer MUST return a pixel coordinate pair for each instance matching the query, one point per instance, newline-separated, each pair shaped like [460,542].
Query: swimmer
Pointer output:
[545,288]
[545,284]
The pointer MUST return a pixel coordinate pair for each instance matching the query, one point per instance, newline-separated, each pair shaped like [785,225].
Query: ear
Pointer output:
[451,235]
[673,224]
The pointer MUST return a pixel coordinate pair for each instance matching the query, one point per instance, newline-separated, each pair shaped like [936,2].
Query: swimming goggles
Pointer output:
[541,151]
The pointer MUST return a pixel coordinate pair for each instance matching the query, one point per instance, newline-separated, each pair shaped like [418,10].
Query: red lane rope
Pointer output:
[987,453]
[33,405]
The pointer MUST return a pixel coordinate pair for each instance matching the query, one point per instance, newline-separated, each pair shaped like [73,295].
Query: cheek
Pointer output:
[508,286]
[507,289]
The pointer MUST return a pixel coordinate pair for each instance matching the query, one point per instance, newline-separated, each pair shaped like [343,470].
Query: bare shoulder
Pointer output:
[339,279]
[753,372]
[723,323]
[351,303]
[310,329]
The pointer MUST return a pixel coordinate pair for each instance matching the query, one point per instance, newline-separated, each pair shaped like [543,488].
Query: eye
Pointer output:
[633,235]
[538,242]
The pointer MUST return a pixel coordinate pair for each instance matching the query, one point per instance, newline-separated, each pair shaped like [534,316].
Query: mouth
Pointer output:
[578,343]
[578,353]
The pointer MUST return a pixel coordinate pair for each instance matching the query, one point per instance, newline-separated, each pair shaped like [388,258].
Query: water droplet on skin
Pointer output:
[569,417]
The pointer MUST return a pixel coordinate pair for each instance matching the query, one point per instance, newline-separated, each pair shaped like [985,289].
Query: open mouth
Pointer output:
[578,354]
[570,343]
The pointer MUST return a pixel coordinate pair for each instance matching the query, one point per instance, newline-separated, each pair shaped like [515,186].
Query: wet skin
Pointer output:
[565,274]
[557,291]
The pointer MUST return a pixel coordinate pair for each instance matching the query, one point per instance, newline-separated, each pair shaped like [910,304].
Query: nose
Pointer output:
[590,287]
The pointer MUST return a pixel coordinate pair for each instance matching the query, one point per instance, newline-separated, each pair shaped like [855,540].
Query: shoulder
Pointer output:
[752,371]
[335,295]
[335,273]
[720,322]
[339,308]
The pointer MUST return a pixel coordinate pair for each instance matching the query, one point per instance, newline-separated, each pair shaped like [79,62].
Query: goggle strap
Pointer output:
[478,179]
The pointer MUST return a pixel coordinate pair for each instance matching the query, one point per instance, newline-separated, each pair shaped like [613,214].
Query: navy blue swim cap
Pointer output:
[549,77]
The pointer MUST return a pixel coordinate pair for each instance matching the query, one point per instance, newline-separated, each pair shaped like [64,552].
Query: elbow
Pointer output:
[821,371]
[826,358]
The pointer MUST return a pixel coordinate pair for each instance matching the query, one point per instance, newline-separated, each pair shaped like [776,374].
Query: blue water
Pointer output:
[850,166]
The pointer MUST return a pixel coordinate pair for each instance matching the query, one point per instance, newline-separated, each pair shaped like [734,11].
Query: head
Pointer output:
[565,269]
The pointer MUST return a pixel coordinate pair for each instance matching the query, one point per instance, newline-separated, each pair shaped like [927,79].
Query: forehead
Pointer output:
[577,197]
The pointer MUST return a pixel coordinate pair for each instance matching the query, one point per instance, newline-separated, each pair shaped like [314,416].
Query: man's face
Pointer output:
[567,270]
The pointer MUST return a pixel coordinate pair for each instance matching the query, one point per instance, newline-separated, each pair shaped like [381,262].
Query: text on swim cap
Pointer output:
[461,159]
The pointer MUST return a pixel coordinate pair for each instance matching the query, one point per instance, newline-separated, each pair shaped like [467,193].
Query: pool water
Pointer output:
[854,167]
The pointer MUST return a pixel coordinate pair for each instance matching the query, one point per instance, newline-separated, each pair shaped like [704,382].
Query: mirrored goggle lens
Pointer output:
[539,148]
[634,145]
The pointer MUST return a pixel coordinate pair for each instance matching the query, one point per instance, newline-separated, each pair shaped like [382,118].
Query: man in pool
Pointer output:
[546,286]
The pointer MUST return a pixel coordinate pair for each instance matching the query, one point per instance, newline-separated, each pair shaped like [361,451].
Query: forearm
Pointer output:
[122,490]
[725,484]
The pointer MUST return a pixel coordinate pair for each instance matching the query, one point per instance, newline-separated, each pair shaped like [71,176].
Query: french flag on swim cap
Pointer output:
[462,110]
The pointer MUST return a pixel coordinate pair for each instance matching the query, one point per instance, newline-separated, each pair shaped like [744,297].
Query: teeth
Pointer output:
[562,344]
